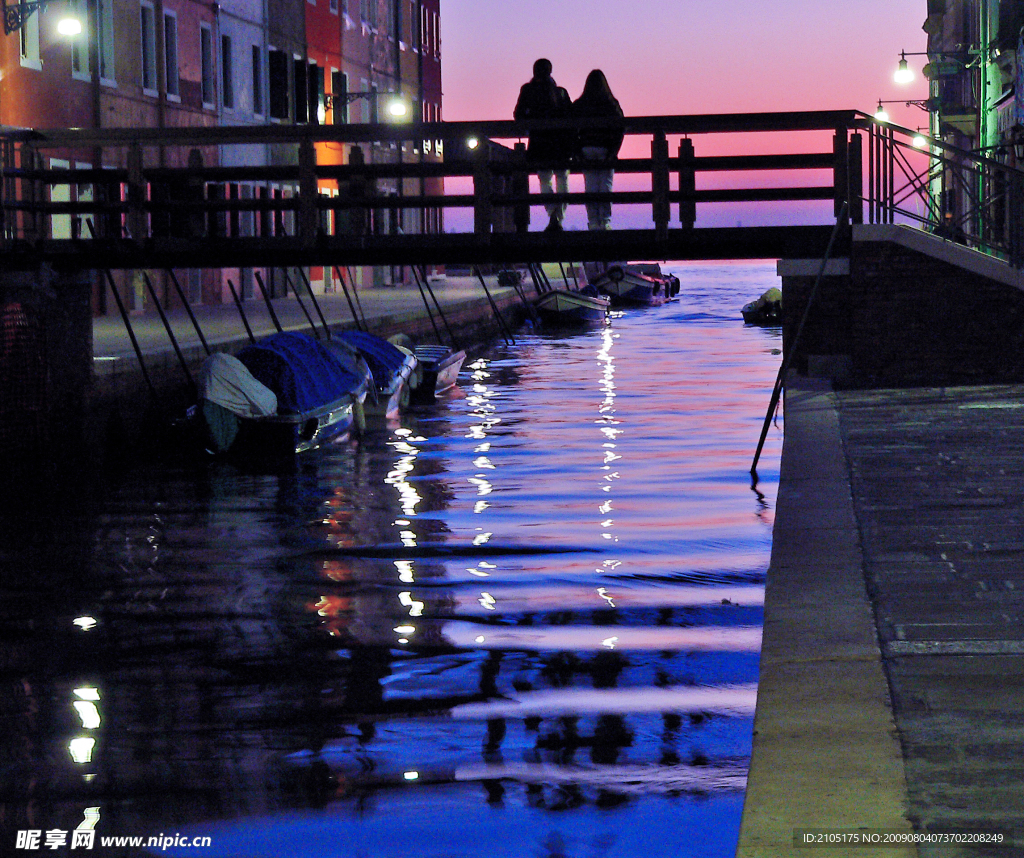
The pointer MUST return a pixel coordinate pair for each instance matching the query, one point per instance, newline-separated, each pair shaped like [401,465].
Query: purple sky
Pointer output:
[686,56]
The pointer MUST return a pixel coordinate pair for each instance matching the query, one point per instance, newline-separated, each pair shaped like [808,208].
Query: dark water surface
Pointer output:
[524,622]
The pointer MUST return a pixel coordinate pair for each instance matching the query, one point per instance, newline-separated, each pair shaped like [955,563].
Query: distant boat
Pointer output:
[766,310]
[439,367]
[633,286]
[392,368]
[287,393]
[565,308]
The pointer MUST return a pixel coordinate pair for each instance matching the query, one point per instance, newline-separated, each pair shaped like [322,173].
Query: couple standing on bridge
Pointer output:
[594,148]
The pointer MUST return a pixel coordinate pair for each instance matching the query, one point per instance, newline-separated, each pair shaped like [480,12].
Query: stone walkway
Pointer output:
[938,488]
[892,672]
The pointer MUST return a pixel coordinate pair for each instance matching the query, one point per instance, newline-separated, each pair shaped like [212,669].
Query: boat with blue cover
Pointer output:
[393,368]
[285,393]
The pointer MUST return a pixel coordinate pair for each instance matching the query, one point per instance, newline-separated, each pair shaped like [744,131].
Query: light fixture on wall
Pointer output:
[17,13]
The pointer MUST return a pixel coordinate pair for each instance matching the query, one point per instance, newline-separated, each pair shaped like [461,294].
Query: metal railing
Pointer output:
[963,196]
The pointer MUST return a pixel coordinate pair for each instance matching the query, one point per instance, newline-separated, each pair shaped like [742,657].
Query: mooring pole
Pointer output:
[780,380]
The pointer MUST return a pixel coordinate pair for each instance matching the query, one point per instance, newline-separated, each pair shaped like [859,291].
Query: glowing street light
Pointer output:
[880,113]
[904,73]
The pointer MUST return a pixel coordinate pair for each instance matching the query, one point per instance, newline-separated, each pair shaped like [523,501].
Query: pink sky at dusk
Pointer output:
[685,56]
[692,57]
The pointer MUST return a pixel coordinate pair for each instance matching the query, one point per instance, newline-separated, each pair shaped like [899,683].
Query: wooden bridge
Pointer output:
[280,195]
[154,198]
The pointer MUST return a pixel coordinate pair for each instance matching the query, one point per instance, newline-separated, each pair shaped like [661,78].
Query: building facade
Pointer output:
[183,63]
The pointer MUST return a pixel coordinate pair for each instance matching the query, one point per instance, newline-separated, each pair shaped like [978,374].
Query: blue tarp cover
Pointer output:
[382,357]
[303,373]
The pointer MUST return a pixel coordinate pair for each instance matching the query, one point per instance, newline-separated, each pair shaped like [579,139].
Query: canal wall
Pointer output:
[906,308]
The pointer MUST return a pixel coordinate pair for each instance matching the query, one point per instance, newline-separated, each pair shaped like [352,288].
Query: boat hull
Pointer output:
[440,367]
[299,433]
[626,288]
[562,308]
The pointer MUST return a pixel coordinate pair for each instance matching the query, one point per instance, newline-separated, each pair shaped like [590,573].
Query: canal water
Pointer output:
[522,622]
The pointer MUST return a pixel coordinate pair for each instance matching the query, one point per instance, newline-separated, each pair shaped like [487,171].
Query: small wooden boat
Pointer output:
[565,308]
[439,367]
[766,310]
[287,393]
[626,287]
[394,371]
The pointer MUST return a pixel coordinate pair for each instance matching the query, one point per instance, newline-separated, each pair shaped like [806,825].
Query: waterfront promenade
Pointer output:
[890,696]
[386,309]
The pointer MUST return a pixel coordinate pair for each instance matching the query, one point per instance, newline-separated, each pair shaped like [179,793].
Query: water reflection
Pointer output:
[476,632]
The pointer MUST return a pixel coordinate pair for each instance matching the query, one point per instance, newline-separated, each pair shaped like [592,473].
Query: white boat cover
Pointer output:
[226,381]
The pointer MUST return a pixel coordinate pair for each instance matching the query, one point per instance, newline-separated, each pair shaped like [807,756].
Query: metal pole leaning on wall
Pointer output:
[316,304]
[131,334]
[359,322]
[426,303]
[188,309]
[266,300]
[302,305]
[781,378]
[506,332]
[170,331]
[241,311]
[440,309]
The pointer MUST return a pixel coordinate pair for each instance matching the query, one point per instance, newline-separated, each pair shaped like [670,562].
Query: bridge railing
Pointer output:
[287,183]
[968,197]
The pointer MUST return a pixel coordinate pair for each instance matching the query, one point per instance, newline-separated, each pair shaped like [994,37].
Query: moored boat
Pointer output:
[564,308]
[766,310]
[394,370]
[628,287]
[286,393]
[439,367]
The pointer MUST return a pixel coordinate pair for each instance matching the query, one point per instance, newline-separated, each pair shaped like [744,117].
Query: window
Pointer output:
[301,90]
[29,34]
[147,22]
[333,7]
[278,62]
[209,82]
[227,82]
[339,92]
[79,46]
[172,80]
[257,80]
[105,39]
[315,94]
[60,224]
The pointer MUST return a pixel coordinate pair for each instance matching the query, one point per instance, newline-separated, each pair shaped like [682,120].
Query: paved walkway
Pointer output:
[891,694]
[383,307]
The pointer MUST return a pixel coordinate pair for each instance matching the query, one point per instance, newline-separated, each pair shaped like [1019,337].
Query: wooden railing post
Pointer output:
[662,210]
[687,184]
[483,207]
[855,160]
[840,171]
[308,214]
[520,188]
[135,191]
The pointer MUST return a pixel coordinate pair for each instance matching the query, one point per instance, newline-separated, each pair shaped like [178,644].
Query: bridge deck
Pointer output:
[767,242]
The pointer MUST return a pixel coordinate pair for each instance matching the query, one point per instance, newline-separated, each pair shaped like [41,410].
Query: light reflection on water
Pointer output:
[524,622]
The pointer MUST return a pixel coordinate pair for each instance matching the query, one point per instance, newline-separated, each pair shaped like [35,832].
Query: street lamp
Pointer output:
[904,73]
[882,116]
[397,107]
[17,13]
